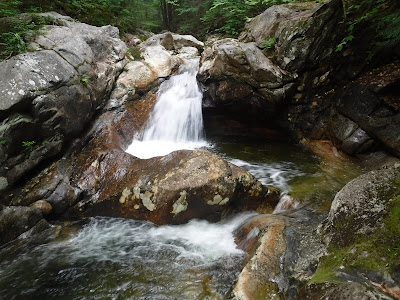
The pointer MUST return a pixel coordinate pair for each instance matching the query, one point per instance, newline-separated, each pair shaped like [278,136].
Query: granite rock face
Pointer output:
[302,32]
[50,94]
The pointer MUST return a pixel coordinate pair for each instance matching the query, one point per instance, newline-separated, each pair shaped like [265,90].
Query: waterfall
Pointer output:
[176,121]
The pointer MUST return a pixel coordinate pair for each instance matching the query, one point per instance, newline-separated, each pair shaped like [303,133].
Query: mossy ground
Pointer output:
[375,252]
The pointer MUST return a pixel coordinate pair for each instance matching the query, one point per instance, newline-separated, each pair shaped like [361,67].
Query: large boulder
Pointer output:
[371,101]
[66,78]
[160,60]
[231,59]
[159,51]
[302,33]
[362,238]
[136,78]
[172,189]
[238,76]
[172,41]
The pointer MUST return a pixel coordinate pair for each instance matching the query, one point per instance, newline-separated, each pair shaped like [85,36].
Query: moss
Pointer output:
[376,252]
[135,53]
[326,271]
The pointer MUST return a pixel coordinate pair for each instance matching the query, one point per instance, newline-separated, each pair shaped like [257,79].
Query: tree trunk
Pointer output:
[167,12]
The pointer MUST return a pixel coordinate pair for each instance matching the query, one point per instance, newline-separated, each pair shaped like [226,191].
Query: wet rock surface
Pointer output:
[261,276]
[16,220]
[171,189]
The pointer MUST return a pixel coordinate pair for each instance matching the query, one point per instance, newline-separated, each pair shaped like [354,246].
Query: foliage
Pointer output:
[125,14]
[29,145]
[269,44]
[189,14]
[368,9]
[3,142]
[13,31]
[85,80]
[135,53]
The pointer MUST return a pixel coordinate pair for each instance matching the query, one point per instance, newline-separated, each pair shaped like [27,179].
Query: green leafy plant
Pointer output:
[13,32]
[353,22]
[3,142]
[85,80]
[269,44]
[29,145]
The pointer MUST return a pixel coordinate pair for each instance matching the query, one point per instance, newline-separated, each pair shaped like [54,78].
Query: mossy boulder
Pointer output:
[362,233]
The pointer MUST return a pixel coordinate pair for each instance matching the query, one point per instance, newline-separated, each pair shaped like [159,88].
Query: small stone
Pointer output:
[44,206]
[3,183]
[298,96]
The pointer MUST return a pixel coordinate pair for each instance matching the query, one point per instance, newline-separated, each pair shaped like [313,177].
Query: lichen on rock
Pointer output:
[180,205]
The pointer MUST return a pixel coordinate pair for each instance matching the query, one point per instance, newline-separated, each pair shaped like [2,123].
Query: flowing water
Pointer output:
[109,258]
[176,122]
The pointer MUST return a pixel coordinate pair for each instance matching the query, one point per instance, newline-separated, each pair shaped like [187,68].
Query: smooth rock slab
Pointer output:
[28,75]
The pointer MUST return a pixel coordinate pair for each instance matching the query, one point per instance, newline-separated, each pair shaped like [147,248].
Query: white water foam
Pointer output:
[176,122]
[275,174]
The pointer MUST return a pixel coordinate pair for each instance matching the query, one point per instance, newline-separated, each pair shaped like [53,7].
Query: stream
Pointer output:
[110,258]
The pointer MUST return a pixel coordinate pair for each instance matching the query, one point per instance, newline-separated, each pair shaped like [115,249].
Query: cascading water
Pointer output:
[110,258]
[176,121]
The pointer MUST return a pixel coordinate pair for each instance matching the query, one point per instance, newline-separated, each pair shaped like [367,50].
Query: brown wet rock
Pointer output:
[53,186]
[44,206]
[112,130]
[171,189]
[261,275]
